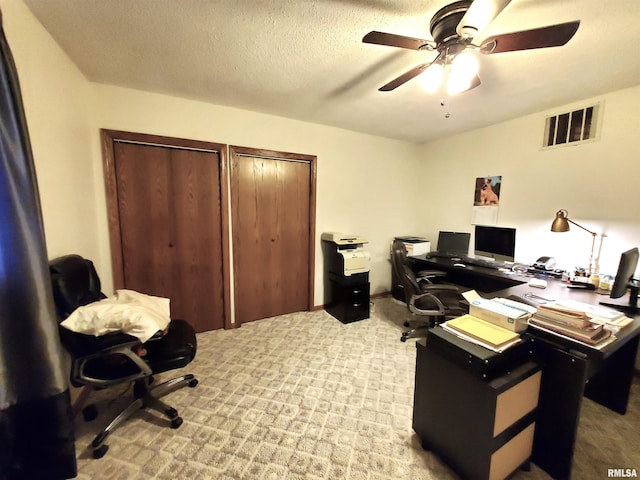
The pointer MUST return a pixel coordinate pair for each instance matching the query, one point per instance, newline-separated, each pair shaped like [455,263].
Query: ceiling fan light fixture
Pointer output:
[431,78]
[465,64]
[457,84]
[464,68]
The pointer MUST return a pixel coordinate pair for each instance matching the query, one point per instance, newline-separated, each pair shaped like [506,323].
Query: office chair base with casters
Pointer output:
[145,397]
[437,304]
[417,332]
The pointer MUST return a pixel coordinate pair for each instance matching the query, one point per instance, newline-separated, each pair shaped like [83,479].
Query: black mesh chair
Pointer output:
[117,358]
[429,302]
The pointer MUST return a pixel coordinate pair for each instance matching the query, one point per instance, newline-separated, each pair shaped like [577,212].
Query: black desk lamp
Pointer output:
[561,224]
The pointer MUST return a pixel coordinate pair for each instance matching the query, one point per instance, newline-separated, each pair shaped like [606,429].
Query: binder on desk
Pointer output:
[485,332]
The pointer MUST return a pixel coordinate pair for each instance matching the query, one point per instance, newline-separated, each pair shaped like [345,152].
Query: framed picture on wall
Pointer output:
[487,191]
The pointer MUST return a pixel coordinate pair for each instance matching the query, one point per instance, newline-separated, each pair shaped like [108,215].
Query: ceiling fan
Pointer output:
[453,29]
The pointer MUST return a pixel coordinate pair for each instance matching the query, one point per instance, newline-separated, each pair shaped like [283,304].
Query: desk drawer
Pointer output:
[482,428]
[512,454]
[515,403]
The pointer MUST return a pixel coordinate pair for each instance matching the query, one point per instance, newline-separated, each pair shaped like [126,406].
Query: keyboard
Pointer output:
[478,262]
[443,255]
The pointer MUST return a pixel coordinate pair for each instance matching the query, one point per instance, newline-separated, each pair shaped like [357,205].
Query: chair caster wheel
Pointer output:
[403,338]
[176,422]
[89,413]
[193,383]
[406,324]
[100,451]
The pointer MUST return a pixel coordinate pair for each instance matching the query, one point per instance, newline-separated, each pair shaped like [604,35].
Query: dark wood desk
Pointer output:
[571,370]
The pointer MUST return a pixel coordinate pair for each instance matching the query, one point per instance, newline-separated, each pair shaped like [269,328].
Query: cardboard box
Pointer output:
[499,314]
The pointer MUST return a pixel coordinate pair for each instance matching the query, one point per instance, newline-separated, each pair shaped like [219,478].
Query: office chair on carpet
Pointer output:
[116,357]
[429,303]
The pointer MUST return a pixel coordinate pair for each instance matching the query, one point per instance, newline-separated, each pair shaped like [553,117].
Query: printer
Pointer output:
[346,254]
[346,279]
[415,245]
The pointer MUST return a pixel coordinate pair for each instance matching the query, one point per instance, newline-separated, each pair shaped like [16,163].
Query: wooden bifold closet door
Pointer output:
[166,210]
[273,229]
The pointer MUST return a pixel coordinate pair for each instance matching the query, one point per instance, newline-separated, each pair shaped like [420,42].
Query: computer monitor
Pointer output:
[498,243]
[454,243]
[624,281]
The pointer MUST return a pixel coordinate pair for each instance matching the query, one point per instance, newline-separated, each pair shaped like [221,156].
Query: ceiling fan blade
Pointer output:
[392,40]
[405,77]
[551,36]
[480,14]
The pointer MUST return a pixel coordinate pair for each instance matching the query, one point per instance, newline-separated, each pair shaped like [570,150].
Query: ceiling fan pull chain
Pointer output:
[444,102]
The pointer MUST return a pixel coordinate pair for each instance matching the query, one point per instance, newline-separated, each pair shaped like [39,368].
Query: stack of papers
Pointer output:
[598,313]
[572,321]
[482,333]
[591,333]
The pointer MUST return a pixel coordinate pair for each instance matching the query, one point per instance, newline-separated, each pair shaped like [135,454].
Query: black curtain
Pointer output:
[36,426]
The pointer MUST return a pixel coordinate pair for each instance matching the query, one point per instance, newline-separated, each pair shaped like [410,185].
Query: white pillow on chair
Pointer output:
[127,311]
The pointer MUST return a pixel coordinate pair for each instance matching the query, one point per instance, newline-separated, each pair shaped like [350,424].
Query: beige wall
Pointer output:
[364,183]
[56,98]
[597,182]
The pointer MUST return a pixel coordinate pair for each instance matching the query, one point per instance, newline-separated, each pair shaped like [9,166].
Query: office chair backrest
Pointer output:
[75,282]
[404,273]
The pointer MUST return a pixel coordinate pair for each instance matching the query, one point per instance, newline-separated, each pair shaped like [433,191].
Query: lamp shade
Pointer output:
[561,222]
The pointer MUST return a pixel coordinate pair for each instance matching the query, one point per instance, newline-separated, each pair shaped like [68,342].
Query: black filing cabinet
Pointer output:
[346,276]
[348,296]
[477,412]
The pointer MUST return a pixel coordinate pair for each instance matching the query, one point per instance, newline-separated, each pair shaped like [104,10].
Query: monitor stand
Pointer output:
[628,304]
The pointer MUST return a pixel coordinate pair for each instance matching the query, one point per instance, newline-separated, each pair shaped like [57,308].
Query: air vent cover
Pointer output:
[572,128]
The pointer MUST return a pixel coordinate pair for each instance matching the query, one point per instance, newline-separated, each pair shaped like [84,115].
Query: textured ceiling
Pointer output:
[304,59]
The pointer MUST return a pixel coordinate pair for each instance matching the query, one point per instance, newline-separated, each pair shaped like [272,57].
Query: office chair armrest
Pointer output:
[137,367]
[425,276]
[417,311]
[440,287]
[430,273]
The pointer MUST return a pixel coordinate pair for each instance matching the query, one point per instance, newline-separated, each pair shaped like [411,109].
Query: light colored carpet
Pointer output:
[305,396]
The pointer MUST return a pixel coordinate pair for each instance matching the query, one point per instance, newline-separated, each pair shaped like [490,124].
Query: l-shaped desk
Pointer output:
[570,369]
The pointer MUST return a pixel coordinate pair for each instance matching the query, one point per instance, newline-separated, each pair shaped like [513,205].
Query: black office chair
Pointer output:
[117,358]
[429,302]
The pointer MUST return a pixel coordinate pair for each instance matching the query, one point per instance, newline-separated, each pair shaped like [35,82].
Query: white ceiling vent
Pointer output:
[572,128]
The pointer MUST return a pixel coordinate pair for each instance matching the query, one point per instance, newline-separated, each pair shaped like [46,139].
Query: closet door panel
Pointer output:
[144,199]
[271,216]
[197,236]
[169,211]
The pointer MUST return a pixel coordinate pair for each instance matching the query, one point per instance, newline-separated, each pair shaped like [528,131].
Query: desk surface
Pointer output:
[570,369]
[508,283]
[491,283]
